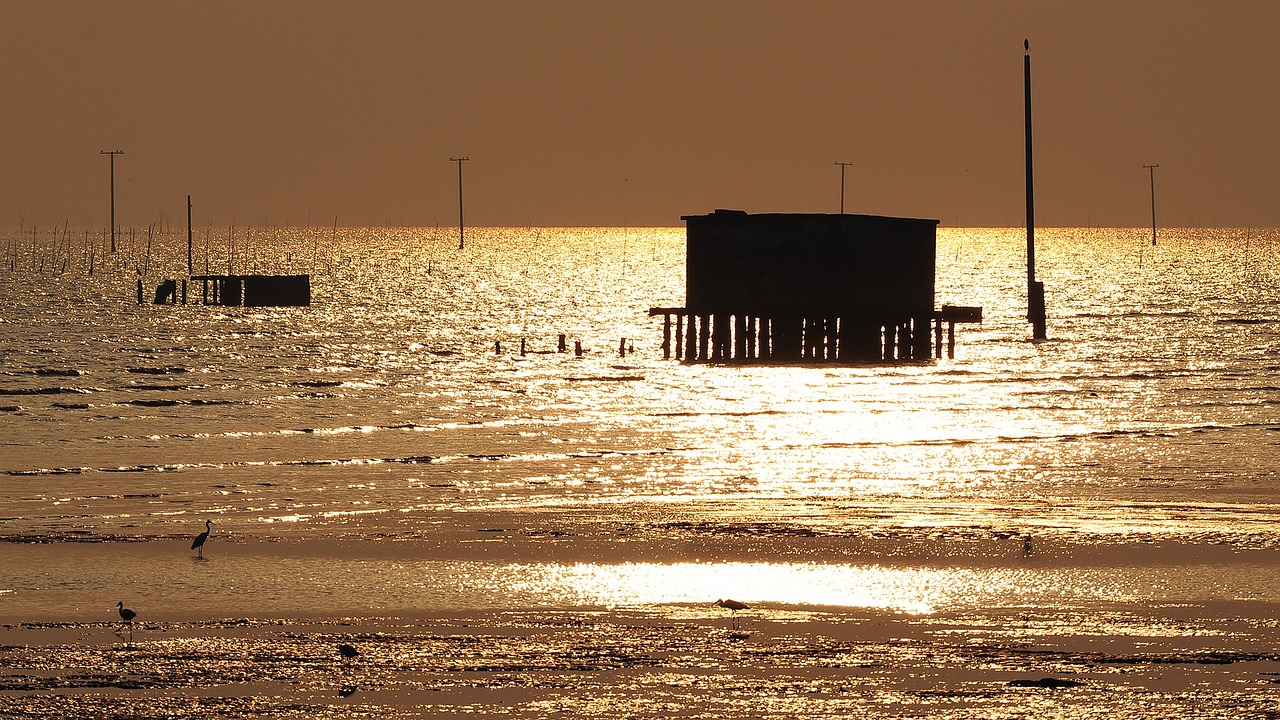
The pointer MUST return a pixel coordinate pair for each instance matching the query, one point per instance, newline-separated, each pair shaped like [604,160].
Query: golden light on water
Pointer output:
[912,590]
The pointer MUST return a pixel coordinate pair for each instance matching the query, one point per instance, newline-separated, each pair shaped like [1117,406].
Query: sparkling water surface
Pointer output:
[393,432]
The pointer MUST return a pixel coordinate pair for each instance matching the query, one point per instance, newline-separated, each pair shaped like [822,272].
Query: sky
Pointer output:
[635,112]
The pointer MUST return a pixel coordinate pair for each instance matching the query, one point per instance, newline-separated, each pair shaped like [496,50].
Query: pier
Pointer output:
[237,290]
[799,288]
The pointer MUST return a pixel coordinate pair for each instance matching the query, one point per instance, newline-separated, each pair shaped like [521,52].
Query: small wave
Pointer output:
[57,372]
[1245,321]
[158,371]
[154,403]
[10,408]
[72,406]
[45,391]
[320,383]
[605,378]
[737,413]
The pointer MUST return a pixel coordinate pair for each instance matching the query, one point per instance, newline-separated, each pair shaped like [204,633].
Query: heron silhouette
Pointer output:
[733,606]
[126,616]
[198,543]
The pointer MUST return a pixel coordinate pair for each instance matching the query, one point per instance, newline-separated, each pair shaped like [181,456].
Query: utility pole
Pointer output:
[113,154]
[842,165]
[189,235]
[461,235]
[1152,170]
[1035,289]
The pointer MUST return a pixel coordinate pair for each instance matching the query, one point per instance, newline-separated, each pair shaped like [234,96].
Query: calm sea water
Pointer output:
[376,451]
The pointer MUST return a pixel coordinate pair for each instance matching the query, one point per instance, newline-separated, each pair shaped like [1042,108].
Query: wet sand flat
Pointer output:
[665,662]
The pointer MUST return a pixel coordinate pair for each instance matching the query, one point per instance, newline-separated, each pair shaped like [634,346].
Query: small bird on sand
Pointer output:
[347,652]
[733,606]
[198,543]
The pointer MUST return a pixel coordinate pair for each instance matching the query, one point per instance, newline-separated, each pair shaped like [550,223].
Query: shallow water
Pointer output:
[383,409]
[374,455]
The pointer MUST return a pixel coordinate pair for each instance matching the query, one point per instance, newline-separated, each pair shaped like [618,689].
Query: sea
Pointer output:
[390,448]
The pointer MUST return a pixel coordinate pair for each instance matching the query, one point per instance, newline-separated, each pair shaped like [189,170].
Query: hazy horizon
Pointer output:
[579,113]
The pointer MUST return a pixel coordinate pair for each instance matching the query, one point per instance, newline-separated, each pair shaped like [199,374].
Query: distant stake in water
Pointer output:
[1152,170]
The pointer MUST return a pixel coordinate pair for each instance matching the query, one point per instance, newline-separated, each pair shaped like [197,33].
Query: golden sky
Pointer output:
[603,112]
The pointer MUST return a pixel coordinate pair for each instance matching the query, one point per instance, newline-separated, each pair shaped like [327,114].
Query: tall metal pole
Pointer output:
[189,235]
[1152,169]
[842,165]
[113,154]
[461,235]
[1035,290]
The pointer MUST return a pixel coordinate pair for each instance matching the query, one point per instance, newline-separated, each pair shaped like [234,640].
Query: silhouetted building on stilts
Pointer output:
[246,290]
[789,287]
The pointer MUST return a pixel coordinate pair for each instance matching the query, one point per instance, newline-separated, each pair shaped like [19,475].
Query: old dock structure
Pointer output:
[237,290]
[807,287]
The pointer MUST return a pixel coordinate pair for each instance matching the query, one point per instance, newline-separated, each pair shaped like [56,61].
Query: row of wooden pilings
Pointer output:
[624,348]
[745,337]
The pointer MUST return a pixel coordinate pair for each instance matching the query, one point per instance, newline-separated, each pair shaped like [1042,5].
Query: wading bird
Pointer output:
[127,616]
[198,543]
[733,606]
[347,652]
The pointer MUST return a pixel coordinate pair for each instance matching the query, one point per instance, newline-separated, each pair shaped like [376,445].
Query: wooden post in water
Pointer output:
[189,243]
[1035,290]
[1152,170]
[680,336]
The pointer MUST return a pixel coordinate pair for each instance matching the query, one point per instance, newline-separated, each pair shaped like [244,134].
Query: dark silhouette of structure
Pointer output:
[198,543]
[112,154]
[236,290]
[1035,288]
[788,287]
[1152,170]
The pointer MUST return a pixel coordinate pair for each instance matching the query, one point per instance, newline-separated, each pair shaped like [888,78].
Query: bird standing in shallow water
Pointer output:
[198,543]
[732,606]
[347,652]
[127,616]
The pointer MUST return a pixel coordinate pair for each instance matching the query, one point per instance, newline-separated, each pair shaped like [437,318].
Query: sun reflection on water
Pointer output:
[912,590]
